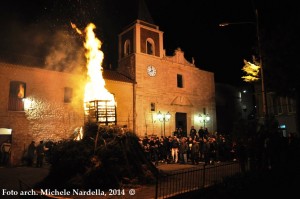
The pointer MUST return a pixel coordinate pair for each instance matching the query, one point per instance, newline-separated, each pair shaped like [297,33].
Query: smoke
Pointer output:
[38,33]
[42,45]
[65,53]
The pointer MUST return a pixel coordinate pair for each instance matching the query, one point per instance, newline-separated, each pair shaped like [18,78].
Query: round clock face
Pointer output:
[151,70]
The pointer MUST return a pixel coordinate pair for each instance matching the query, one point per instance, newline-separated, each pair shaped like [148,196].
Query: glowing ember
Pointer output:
[95,87]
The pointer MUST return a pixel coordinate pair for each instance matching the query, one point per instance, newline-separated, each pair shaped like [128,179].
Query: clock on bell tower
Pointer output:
[139,45]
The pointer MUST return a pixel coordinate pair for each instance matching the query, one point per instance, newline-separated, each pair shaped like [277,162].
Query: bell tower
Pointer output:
[140,37]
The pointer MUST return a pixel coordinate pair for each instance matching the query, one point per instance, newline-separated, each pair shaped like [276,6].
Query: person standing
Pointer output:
[193,132]
[183,148]
[5,150]
[190,144]
[201,132]
[195,152]
[40,154]
[31,153]
[241,153]
[206,151]
[174,149]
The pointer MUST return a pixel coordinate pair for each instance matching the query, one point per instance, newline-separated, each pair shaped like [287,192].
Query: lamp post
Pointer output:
[163,118]
[204,118]
[263,92]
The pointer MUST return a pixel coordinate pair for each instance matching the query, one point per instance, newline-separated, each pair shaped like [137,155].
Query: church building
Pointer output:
[155,94]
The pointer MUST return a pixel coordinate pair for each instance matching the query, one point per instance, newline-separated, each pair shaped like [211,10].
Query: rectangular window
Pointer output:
[68,94]
[152,106]
[17,92]
[179,81]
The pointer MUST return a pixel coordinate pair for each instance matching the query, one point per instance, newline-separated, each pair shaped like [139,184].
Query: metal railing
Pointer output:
[173,183]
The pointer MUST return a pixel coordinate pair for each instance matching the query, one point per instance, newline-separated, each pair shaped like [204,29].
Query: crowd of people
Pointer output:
[262,150]
[34,155]
[198,146]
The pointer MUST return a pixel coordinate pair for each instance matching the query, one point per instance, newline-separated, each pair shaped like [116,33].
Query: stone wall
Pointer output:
[48,117]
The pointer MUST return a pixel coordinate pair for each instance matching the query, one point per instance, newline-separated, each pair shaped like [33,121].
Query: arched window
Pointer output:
[150,46]
[127,49]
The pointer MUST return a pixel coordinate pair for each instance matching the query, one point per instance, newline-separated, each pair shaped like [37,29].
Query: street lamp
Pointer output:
[163,118]
[204,118]
[263,92]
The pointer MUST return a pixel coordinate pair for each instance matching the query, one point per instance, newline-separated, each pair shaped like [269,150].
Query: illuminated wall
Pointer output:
[53,105]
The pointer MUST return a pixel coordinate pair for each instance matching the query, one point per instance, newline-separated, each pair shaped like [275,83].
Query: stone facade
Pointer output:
[161,92]
[48,117]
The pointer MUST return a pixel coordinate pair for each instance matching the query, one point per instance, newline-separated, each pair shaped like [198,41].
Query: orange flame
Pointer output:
[21,92]
[95,87]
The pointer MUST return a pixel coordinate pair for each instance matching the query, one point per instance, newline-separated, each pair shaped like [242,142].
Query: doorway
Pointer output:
[180,122]
[5,134]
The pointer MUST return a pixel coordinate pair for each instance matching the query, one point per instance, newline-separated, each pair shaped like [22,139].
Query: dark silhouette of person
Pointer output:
[31,153]
[40,154]
[241,153]
[5,150]
[201,132]
[193,132]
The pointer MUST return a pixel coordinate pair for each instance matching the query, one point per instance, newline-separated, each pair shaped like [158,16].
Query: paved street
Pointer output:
[10,178]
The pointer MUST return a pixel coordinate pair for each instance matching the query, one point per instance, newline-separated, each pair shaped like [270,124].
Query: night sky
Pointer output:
[30,28]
